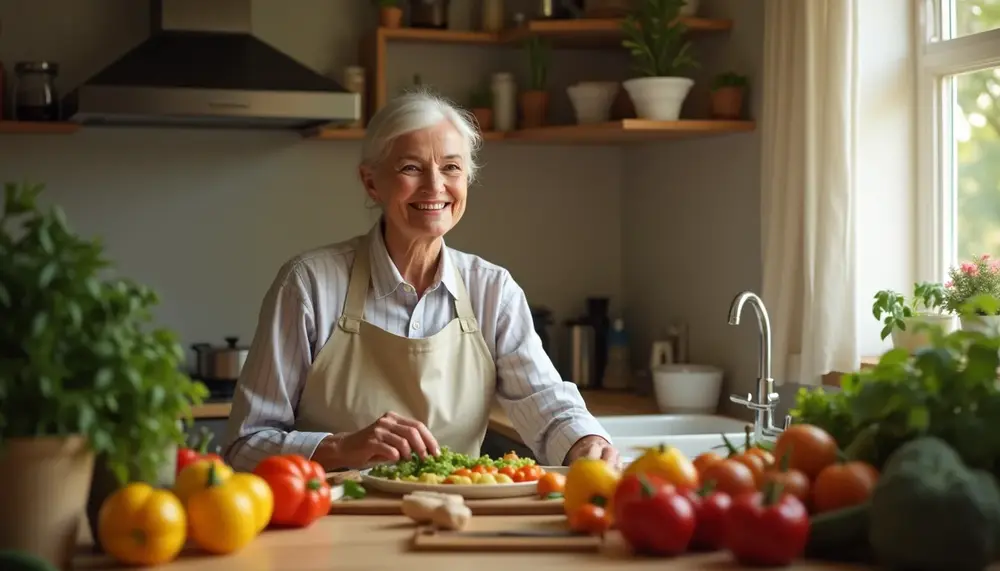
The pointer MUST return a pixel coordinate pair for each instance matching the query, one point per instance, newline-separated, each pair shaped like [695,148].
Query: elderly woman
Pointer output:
[392,343]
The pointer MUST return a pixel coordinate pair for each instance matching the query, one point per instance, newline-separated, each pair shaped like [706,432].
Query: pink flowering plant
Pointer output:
[970,280]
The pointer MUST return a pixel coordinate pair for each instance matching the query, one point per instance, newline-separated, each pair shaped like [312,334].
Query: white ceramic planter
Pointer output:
[913,340]
[658,98]
[592,100]
[988,324]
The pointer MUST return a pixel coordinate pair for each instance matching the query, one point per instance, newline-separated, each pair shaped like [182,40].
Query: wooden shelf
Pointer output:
[37,128]
[596,33]
[436,36]
[610,133]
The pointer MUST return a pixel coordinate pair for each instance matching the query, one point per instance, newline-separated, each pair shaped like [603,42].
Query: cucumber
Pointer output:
[11,560]
[840,536]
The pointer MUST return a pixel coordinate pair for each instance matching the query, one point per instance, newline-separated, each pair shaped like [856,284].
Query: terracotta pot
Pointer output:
[727,102]
[534,108]
[390,17]
[44,484]
[484,116]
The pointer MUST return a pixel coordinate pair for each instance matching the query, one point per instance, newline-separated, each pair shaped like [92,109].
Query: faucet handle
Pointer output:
[749,402]
[773,398]
[788,421]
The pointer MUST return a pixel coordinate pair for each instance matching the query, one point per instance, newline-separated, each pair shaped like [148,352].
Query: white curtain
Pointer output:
[808,127]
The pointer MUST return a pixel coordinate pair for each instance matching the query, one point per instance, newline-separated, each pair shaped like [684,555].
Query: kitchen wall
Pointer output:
[691,216]
[207,217]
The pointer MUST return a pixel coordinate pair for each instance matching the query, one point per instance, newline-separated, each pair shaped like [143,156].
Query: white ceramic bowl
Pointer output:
[592,100]
[684,388]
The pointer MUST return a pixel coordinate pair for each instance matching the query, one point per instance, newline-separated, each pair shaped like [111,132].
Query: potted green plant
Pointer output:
[971,280]
[84,376]
[481,105]
[390,15]
[728,91]
[535,100]
[906,319]
[655,37]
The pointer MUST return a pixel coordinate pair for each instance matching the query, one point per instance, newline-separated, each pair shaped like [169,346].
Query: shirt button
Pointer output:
[408,288]
[415,325]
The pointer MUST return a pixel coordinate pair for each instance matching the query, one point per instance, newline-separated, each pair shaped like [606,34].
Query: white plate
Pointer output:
[471,492]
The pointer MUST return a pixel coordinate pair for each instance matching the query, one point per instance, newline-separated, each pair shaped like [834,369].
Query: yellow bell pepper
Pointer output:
[589,480]
[665,462]
[260,492]
[194,477]
[140,525]
[222,516]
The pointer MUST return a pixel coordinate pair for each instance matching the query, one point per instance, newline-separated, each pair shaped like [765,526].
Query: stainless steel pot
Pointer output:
[223,363]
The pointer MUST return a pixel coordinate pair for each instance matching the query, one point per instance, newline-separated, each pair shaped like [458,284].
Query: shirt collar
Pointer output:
[386,278]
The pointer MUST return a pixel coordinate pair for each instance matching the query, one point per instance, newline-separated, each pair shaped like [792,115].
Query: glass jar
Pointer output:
[504,101]
[35,95]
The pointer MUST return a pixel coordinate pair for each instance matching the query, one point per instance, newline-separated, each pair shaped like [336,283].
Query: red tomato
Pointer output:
[711,511]
[301,492]
[652,516]
[590,519]
[529,473]
[509,471]
[480,469]
[767,529]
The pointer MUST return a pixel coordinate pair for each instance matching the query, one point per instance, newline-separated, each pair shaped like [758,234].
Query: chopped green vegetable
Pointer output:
[442,465]
[354,490]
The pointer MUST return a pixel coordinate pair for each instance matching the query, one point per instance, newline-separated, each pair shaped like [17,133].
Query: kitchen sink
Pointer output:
[692,434]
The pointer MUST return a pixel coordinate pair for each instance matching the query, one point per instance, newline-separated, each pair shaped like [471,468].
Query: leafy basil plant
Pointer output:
[893,308]
[78,354]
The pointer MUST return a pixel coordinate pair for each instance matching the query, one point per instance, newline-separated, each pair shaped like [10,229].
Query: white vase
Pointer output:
[658,98]
[914,338]
[988,324]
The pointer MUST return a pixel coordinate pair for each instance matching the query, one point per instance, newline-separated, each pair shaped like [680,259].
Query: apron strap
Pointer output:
[357,289]
[463,305]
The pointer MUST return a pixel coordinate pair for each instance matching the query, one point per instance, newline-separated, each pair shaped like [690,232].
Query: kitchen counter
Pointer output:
[350,542]
[600,403]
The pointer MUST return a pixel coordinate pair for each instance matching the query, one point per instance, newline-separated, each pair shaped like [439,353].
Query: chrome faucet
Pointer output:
[767,400]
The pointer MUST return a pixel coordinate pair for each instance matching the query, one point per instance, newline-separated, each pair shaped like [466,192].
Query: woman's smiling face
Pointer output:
[422,184]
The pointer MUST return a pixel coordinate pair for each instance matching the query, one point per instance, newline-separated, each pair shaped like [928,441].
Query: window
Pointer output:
[958,60]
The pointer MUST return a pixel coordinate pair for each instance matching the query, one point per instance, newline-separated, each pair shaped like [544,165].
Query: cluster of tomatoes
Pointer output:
[745,502]
[528,473]
[218,510]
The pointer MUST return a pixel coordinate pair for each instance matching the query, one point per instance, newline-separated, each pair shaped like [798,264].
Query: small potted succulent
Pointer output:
[87,386]
[481,106]
[655,37]
[969,281]
[535,100]
[728,92]
[905,319]
[390,14]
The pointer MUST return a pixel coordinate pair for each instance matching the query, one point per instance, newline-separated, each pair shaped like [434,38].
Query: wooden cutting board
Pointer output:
[505,534]
[379,503]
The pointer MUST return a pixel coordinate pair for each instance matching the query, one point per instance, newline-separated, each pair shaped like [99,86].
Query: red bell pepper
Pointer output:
[199,451]
[768,528]
[301,492]
[711,508]
[652,516]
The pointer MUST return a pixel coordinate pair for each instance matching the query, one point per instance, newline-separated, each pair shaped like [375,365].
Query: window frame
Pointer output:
[935,230]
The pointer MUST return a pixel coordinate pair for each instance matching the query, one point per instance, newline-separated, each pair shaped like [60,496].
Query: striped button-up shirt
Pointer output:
[305,301]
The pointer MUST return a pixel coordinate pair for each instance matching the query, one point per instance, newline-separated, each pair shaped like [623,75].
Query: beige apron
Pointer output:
[447,380]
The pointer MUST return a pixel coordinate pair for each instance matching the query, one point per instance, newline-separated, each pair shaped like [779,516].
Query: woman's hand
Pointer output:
[594,447]
[388,439]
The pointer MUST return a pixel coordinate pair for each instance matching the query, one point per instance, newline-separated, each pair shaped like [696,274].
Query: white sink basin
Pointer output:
[692,434]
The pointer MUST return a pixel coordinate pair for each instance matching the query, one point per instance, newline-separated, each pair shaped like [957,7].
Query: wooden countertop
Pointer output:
[382,542]
[599,403]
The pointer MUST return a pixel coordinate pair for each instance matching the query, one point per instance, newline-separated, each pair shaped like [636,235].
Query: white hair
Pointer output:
[414,111]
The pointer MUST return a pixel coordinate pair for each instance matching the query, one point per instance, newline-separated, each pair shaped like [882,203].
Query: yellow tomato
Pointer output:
[668,463]
[222,516]
[140,525]
[260,492]
[194,478]
[589,480]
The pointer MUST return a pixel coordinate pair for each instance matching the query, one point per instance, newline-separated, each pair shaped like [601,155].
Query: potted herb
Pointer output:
[535,100]
[83,376]
[481,103]
[728,91]
[390,15]
[654,35]
[968,281]
[907,320]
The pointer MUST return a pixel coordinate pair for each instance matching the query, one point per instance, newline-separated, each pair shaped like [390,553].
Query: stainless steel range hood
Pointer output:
[202,67]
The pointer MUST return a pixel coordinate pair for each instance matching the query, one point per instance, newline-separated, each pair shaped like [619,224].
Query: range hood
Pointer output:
[202,67]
